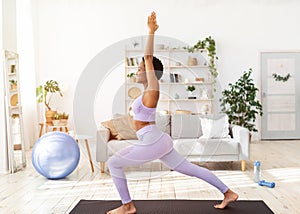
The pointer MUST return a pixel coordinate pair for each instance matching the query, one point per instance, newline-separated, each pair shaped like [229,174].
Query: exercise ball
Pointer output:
[55,155]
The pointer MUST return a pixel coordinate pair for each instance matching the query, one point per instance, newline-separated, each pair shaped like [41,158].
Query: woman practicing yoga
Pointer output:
[153,143]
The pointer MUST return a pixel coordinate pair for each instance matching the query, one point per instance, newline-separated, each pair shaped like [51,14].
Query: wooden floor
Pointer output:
[28,192]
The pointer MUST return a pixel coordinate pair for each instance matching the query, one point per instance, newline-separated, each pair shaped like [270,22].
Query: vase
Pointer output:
[13,86]
[192,61]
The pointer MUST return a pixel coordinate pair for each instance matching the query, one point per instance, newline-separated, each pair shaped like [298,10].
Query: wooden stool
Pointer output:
[54,128]
[57,128]
[85,138]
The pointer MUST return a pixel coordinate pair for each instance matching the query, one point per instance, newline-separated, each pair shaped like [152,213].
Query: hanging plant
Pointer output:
[210,45]
[277,77]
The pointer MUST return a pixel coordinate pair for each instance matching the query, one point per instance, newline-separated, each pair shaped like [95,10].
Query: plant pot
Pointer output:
[132,79]
[13,86]
[56,122]
[49,115]
[64,122]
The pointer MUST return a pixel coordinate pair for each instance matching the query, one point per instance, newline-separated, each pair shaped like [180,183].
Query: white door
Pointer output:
[280,75]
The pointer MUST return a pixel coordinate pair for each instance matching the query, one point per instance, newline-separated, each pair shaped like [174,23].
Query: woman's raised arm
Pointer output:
[151,94]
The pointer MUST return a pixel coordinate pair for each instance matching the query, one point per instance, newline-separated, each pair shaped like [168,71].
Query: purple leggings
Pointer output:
[155,144]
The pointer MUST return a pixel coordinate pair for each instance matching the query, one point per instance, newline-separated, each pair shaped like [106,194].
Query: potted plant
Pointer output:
[239,102]
[191,89]
[64,119]
[131,77]
[56,119]
[51,87]
[13,84]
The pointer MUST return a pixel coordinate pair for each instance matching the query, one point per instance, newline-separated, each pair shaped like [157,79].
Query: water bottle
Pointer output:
[256,171]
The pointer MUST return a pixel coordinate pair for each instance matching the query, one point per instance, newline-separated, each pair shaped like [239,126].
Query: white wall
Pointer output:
[7,42]
[26,51]
[70,33]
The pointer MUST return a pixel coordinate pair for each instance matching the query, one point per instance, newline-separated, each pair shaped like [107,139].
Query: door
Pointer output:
[280,95]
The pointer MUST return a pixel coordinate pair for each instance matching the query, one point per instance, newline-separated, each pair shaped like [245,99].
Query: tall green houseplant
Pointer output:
[239,102]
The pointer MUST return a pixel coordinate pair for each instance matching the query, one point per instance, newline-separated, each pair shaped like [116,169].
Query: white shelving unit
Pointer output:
[13,112]
[177,76]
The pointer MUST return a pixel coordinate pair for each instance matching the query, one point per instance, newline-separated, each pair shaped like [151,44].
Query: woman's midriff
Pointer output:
[141,124]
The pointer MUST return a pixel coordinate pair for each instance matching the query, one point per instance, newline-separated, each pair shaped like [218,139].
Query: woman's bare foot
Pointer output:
[124,209]
[229,197]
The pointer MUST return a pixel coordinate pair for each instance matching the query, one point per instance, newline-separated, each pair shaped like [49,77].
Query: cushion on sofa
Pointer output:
[121,127]
[185,126]
[190,147]
[162,121]
[215,126]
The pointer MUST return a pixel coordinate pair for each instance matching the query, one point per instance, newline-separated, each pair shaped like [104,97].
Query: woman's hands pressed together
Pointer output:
[152,25]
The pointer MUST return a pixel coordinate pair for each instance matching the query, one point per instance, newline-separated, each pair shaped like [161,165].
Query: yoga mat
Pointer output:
[173,207]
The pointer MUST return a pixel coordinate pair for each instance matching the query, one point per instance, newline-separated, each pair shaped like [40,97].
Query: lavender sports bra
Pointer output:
[141,112]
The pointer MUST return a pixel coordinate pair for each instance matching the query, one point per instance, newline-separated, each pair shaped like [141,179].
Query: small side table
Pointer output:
[85,138]
[54,128]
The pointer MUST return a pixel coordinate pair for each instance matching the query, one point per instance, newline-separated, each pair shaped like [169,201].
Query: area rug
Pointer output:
[173,207]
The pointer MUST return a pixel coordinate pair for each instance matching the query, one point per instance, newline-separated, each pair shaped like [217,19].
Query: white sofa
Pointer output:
[186,130]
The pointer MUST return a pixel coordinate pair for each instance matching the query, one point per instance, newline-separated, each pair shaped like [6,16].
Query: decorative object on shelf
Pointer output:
[134,92]
[191,89]
[277,77]
[199,79]
[13,84]
[179,111]
[174,77]
[192,61]
[239,102]
[15,116]
[210,45]
[159,46]
[14,100]
[135,44]
[131,77]
[13,69]
[132,61]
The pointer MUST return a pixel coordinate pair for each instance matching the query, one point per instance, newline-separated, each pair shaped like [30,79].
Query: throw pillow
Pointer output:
[185,126]
[121,128]
[215,127]
[162,121]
